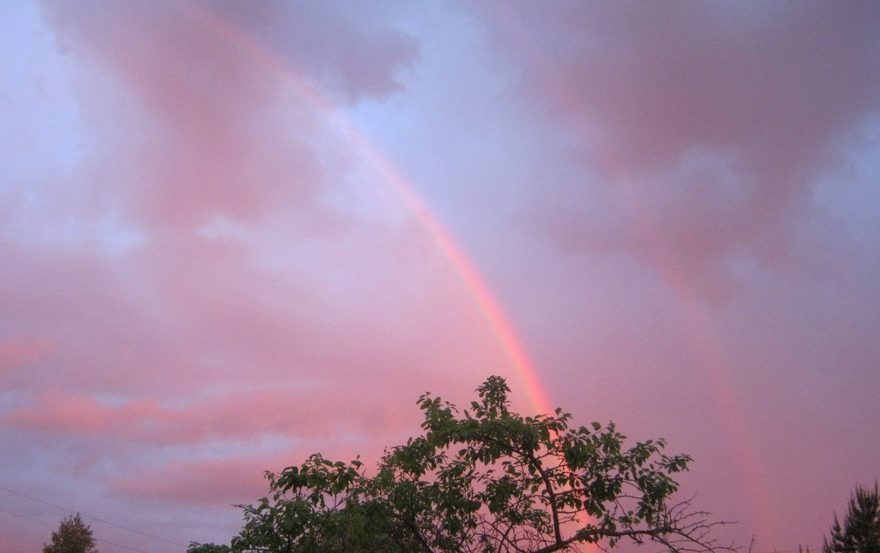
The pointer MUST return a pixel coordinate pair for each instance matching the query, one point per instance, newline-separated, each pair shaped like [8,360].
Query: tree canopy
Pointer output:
[72,536]
[860,532]
[487,480]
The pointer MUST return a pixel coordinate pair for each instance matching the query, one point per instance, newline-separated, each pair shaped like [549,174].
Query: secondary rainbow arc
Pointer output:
[706,343]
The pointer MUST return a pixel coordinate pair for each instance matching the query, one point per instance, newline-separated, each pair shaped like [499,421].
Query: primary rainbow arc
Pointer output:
[480,292]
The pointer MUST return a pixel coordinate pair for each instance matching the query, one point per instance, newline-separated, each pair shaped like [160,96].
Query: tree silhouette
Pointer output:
[860,532]
[72,536]
[482,480]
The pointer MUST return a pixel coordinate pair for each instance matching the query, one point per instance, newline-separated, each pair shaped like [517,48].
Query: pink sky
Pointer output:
[233,234]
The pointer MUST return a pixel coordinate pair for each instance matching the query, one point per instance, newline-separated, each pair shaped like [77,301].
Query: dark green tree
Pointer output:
[72,536]
[485,480]
[860,532]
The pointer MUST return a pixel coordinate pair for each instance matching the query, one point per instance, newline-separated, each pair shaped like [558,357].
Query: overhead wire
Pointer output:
[89,516]
[101,540]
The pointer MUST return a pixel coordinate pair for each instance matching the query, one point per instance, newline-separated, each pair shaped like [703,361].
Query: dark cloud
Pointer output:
[710,123]
[356,52]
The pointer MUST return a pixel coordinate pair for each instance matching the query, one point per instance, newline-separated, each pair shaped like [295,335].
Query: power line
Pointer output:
[102,540]
[38,521]
[88,516]
[806,549]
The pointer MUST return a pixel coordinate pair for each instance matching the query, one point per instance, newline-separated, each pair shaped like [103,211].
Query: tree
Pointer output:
[860,532]
[484,480]
[73,536]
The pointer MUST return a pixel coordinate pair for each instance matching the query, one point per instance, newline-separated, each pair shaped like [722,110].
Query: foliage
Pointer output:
[482,480]
[72,536]
[860,532]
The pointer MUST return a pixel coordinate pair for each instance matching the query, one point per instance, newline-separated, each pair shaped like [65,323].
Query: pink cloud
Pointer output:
[250,415]
[216,482]
[199,314]
[706,126]
[56,411]
[184,129]
[17,352]
[185,132]
[231,480]
[198,125]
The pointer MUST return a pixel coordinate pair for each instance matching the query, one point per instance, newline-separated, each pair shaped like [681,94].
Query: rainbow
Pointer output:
[393,177]
[705,341]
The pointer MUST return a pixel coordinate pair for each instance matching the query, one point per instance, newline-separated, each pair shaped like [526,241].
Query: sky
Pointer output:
[236,233]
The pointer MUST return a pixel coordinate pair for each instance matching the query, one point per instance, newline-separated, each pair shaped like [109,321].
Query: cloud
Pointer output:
[248,415]
[705,128]
[17,352]
[191,243]
[202,278]
[223,481]
[202,110]
[356,53]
